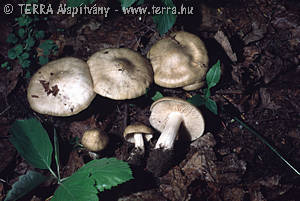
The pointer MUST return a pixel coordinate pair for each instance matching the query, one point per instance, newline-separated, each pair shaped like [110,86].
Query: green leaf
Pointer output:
[213,75]
[24,185]
[4,65]
[56,154]
[25,55]
[127,3]
[107,172]
[76,3]
[43,60]
[206,92]
[15,52]
[157,96]
[39,35]
[165,21]
[31,1]
[140,2]
[12,53]
[30,41]
[21,32]
[97,174]
[77,187]
[47,46]
[19,49]
[32,142]
[27,75]
[11,38]
[211,105]
[197,100]
[24,20]
[25,63]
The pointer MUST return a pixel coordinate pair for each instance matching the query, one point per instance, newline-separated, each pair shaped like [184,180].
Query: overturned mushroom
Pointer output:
[94,140]
[136,133]
[120,73]
[180,60]
[168,114]
[63,87]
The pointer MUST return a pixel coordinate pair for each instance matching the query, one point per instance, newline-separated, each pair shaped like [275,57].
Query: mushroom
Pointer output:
[135,133]
[120,73]
[167,115]
[180,60]
[94,140]
[63,87]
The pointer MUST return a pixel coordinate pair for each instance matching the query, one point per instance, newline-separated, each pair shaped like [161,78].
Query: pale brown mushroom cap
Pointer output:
[62,87]
[137,128]
[120,73]
[194,86]
[94,140]
[179,60]
[193,120]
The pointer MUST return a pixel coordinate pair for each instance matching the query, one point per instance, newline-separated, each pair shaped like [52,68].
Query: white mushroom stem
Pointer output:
[168,136]
[139,141]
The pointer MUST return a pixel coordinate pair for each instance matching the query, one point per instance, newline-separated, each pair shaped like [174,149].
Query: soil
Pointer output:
[258,44]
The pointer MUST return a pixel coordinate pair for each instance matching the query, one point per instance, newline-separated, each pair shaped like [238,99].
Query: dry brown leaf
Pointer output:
[224,42]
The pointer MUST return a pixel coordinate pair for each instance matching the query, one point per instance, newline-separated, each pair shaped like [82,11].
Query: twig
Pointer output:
[5,110]
[125,121]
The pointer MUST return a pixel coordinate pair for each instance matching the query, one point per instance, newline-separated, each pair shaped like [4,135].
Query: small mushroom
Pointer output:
[63,87]
[95,141]
[135,133]
[179,60]
[168,114]
[120,73]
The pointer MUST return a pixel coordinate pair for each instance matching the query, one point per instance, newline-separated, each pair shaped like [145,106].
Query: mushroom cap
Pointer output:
[193,120]
[137,128]
[62,87]
[94,140]
[178,60]
[120,73]
[194,86]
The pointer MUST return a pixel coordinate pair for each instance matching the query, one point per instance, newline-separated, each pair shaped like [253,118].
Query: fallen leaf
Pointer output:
[257,33]
[224,42]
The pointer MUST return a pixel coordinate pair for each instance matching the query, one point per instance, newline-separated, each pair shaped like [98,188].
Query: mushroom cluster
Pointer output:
[67,86]
[179,60]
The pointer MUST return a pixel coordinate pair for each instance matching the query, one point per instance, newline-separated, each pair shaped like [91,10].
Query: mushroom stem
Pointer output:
[168,136]
[139,141]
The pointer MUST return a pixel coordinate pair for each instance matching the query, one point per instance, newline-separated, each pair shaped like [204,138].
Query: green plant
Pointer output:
[33,144]
[212,78]
[25,39]
[157,96]
[163,21]
[48,47]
